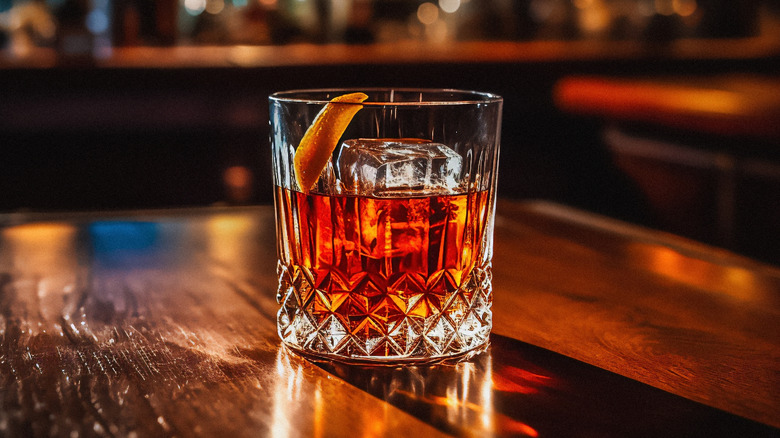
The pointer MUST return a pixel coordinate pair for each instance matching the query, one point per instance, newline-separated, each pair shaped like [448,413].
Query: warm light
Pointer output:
[227,235]
[452,403]
[227,238]
[664,7]
[521,429]
[427,13]
[746,285]
[282,409]
[215,6]
[595,17]
[712,101]
[437,31]
[238,183]
[43,257]
[43,246]
[584,4]
[684,8]
[487,395]
[449,6]
[467,371]
[237,176]
[41,233]
[319,412]
[733,281]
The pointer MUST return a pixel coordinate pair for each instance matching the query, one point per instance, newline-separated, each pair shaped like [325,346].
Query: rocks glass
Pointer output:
[386,258]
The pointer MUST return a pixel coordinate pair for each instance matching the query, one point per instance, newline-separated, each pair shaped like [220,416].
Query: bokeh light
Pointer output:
[195,7]
[684,8]
[664,7]
[449,6]
[97,21]
[215,6]
[427,13]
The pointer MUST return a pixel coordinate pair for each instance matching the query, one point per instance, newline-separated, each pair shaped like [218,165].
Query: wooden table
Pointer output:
[162,323]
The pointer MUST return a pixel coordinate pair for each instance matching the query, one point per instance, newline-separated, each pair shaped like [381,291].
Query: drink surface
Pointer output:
[384,277]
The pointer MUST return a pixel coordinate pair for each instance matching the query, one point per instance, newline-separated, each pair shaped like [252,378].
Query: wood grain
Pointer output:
[162,323]
[683,317]
[166,328]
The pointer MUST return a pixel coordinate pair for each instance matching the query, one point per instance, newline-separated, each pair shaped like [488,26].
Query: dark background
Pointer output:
[80,136]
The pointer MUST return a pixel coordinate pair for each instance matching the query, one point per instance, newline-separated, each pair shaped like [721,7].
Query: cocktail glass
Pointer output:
[385,248]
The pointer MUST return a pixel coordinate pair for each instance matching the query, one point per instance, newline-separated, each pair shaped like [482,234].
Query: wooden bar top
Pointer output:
[162,323]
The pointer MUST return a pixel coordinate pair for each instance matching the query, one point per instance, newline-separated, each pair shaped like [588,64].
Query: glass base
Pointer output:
[315,323]
[388,361]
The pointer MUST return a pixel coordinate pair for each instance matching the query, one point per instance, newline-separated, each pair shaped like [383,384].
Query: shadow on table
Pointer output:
[521,390]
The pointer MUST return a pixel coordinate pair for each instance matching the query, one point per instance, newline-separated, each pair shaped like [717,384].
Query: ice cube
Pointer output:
[395,167]
[328,183]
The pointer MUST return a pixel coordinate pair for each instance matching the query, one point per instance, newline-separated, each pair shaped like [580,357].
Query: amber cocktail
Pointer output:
[385,246]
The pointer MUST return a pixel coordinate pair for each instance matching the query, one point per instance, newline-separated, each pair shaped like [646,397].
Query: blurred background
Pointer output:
[664,113]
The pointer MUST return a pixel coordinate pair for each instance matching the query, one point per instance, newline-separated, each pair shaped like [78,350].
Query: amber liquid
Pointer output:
[370,265]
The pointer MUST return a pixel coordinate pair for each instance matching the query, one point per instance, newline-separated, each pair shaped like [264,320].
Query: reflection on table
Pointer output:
[163,323]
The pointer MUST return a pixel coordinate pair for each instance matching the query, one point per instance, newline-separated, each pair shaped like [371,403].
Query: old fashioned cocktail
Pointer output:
[385,254]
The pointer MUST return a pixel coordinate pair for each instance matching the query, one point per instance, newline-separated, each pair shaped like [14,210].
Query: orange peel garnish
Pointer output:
[321,139]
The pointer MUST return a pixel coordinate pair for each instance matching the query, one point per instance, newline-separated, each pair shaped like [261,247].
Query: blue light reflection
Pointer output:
[120,243]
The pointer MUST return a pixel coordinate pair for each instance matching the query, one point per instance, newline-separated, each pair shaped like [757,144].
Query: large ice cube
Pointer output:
[394,167]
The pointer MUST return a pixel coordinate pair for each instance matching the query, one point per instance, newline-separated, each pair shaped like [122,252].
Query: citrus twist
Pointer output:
[321,138]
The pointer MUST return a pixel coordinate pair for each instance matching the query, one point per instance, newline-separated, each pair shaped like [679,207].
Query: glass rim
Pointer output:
[468,97]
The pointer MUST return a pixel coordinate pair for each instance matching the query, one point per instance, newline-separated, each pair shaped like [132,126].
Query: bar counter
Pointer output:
[404,52]
[162,323]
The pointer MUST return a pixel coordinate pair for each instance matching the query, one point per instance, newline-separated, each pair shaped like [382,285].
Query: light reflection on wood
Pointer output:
[735,281]
[149,342]
[165,326]
[687,318]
